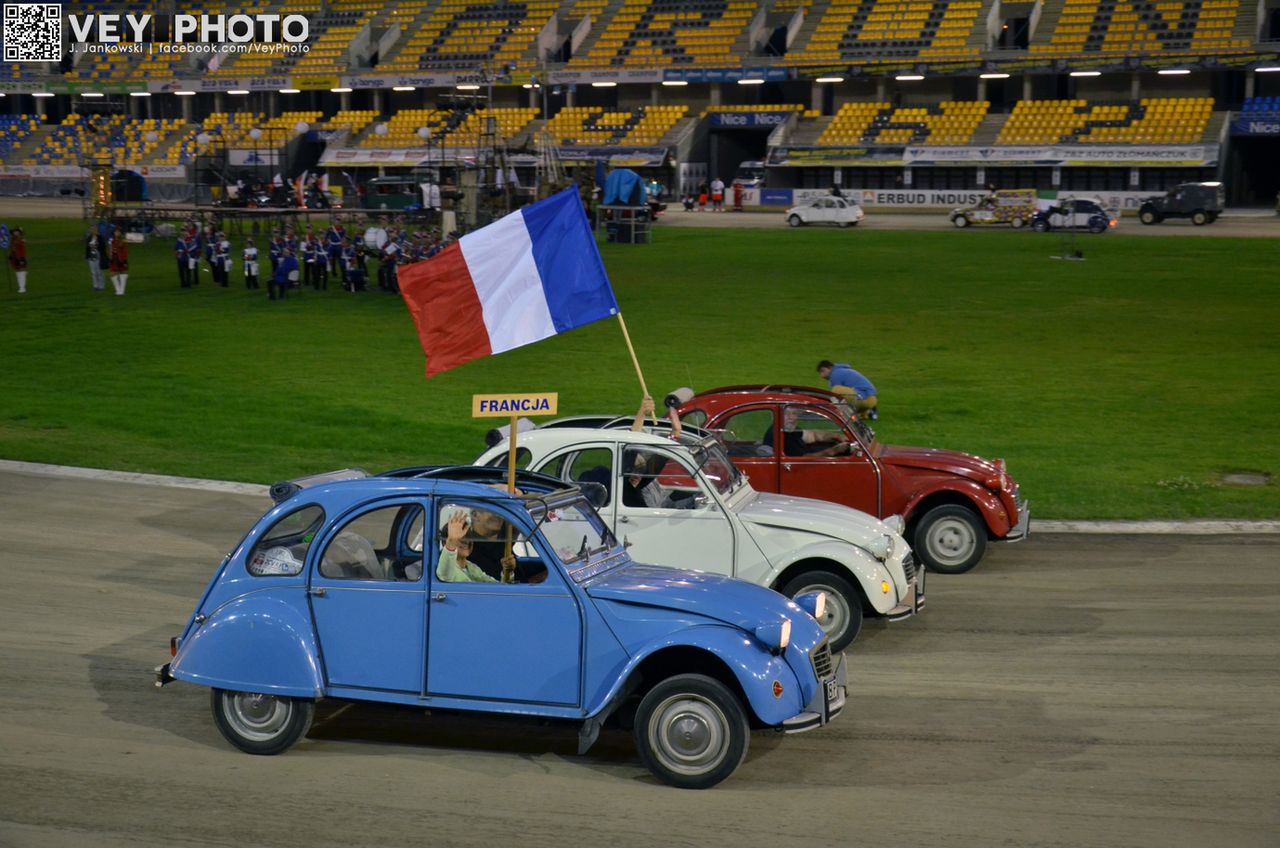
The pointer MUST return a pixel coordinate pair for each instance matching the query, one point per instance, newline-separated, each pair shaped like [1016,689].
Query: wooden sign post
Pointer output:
[512,407]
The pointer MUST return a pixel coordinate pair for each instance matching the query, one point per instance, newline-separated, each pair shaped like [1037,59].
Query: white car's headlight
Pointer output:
[881,548]
[895,523]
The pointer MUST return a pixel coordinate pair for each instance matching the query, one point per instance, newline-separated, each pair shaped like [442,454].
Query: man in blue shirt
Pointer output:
[841,376]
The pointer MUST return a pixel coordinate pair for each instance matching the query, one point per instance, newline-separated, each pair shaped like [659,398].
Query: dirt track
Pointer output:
[1241,224]
[1072,691]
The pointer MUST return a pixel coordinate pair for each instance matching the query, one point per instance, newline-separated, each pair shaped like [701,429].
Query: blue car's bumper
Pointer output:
[825,705]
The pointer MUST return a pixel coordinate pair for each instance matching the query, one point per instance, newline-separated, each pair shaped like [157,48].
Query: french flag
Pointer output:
[525,277]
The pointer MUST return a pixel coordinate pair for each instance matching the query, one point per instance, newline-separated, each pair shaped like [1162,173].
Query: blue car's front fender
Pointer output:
[754,668]
[261,642]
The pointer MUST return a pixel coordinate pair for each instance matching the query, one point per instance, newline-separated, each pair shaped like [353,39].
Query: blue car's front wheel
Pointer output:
[261,724]
[691,731]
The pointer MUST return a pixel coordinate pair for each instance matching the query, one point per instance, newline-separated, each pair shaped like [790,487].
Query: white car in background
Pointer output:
[840,211]
[709,518]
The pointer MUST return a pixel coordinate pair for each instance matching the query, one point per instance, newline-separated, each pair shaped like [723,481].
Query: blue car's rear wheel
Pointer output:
[261,724]
[691,731]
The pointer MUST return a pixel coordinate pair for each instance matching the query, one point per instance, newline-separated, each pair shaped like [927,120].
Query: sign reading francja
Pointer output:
[508,406]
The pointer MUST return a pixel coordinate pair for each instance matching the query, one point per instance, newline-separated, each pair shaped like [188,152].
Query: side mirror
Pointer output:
[597,494]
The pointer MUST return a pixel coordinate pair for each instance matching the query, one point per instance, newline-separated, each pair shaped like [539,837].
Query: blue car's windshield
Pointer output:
[576,533]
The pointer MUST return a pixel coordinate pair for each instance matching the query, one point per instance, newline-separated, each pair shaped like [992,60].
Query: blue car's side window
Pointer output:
[472,543]
[282,550]
[368,547]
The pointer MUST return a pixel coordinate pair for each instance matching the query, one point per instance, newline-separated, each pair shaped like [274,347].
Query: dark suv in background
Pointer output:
[1201,202]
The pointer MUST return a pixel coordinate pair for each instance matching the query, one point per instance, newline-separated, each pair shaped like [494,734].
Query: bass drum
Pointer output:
[375,238]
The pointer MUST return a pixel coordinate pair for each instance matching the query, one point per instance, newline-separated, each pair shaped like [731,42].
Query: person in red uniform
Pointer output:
[18,258]
[119,261]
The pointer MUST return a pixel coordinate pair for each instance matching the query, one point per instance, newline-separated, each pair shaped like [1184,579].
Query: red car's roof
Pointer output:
[769,392]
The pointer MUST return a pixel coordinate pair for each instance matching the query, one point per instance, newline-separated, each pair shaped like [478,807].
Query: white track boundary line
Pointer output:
[1215,527]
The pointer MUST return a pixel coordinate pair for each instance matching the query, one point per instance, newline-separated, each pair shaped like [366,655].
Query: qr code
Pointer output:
[33,32]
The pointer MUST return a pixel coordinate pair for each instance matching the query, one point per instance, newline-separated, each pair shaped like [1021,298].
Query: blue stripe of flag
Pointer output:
[564,249]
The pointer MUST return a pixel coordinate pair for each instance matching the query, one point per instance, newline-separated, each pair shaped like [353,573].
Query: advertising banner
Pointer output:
[726,74]
[620,75]
[400,157]
[1256,123]
[747,120]
[1198,155]
[818,157]
[630,157]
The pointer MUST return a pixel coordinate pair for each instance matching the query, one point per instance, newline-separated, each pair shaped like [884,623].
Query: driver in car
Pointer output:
[488,538]
[796,442]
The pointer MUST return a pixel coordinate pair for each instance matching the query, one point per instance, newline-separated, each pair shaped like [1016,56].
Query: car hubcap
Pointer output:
[951,541]
[254,716]
[689,734]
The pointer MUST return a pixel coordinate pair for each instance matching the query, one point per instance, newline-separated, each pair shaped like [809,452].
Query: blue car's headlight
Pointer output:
[775,635]
[814,603]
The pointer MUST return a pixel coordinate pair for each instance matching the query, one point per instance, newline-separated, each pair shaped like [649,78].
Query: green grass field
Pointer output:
[1119,387]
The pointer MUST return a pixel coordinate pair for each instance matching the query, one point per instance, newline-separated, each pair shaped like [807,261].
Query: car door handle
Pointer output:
[786,466]
[440,596]
[624,519]
[318,591]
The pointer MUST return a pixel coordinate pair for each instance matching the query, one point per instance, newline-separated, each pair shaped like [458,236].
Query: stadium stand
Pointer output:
[1253,105]
[1170,120]
[124,140]
[469,35]
[852,30]
[13,130]
[1135,27]
[402,128]
[508,124]
[671,32]
[949,122]
[640,127]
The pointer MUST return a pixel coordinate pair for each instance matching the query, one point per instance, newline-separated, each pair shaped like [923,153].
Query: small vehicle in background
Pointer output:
[840,211]
[1201,202]
[750,174]
[1014,207]
[347,589]
[1074,213]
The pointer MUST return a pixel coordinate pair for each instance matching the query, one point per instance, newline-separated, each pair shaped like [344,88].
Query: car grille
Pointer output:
[823,665]
[909,567]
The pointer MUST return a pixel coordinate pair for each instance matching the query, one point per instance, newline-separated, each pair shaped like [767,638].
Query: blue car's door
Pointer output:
[503,641]
[367,593]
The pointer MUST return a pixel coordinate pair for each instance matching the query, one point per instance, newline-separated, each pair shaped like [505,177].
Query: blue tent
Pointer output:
[624,188]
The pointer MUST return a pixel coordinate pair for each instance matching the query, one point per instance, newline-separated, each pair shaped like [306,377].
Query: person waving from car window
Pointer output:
[454,566]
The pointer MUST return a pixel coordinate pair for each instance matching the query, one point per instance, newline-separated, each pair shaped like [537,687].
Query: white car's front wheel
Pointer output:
[843,616]
[795,220]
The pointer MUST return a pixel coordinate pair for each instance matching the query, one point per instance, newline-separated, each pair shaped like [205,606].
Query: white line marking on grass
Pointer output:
[134,477]
[1171,528]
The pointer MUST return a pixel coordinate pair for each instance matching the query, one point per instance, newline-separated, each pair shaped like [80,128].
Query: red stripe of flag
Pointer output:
[446,309]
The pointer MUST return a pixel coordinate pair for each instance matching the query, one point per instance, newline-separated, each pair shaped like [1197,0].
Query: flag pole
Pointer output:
[634,361]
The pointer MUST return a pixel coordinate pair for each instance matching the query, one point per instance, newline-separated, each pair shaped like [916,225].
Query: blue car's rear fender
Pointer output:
[260,642]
